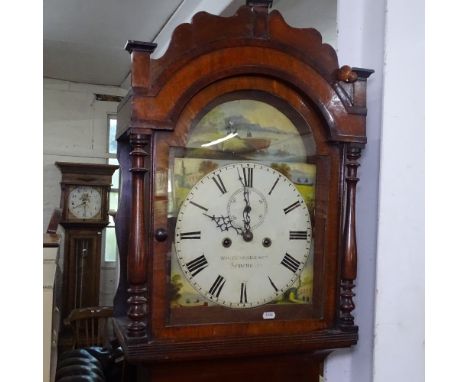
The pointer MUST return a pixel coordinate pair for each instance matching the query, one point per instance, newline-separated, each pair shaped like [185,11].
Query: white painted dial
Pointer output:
[84,202]
[243,235]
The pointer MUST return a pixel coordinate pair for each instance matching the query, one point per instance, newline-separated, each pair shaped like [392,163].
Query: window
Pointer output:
[110,242]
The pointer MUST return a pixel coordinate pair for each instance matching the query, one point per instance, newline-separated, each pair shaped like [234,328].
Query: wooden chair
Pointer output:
[90,326]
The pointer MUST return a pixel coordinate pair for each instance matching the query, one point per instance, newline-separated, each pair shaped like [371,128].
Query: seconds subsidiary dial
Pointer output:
[243,235]
[84,202]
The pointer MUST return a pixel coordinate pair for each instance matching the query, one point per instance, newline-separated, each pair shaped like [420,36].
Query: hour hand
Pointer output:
[224,223]
[81,204]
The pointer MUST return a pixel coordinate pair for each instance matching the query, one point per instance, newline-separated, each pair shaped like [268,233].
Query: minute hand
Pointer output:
[247,233]
[247,208]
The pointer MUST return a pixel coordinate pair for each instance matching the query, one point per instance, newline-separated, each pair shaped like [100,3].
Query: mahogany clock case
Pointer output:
[282,312]
[257,57]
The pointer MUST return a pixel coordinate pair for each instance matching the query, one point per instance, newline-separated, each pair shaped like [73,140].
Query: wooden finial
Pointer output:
[346,74]
[140,69]
[140,46]
[259,3]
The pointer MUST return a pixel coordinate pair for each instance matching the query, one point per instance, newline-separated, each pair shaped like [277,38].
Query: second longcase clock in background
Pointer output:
[85,208]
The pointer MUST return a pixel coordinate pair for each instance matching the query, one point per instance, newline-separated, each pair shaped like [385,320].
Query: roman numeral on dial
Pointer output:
[217,286]
[297,235]
[195,266]
[248,176]
[190,235]
[243,295]
[273,284]
[288,209]
[290,262]
[219,183]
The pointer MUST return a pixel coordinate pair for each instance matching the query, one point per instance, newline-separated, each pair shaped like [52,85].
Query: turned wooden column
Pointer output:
[137,246]
[349,261]
[137,249]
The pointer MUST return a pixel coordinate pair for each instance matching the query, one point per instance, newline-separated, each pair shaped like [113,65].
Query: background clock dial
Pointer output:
[84,202]
[250,241]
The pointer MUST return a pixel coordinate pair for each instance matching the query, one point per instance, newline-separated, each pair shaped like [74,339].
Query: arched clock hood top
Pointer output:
[259,44]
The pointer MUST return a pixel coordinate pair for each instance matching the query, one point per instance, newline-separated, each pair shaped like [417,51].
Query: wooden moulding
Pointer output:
[157,350]
[91,174]
[199,55]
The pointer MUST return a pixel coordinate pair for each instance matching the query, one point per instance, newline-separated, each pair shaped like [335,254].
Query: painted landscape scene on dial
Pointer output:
[243,130]
[186,173]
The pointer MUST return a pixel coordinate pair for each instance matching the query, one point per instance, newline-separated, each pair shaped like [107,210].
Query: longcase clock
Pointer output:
[239,150]
[85,207]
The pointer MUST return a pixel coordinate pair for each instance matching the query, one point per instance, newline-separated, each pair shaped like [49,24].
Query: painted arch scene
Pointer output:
[246,130]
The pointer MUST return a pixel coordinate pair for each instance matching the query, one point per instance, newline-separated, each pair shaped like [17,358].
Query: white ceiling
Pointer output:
[84,39]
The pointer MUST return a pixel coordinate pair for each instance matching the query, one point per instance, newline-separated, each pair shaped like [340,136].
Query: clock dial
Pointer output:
[243,235]
[84,202]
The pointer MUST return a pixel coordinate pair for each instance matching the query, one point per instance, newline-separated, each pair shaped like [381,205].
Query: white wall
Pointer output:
[360,43]
[399,312]
[75,130]
[388,37]
[318,14]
